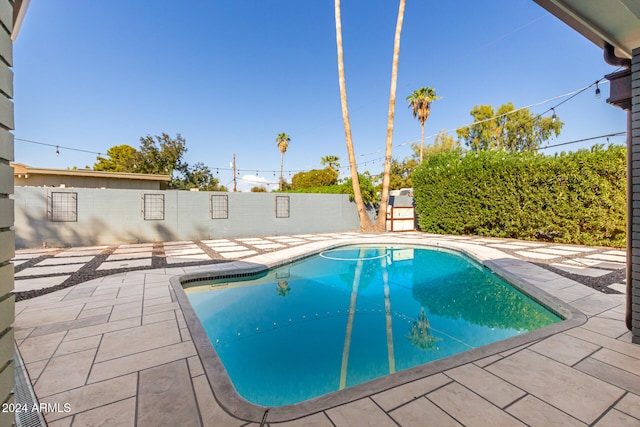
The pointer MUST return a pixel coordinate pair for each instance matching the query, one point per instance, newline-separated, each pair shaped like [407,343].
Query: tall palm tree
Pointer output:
[420,101]
[386,176]
[365,222]
[283,143]
[330,161]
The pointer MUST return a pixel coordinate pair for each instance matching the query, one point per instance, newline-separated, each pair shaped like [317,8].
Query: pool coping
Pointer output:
[509,268]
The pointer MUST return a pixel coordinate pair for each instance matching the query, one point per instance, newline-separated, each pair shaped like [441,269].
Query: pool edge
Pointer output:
[502,264]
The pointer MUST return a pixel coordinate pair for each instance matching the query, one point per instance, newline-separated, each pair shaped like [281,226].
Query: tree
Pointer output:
[258,189]
[283,143]
[314,178]
[443,143]
[420,102]
[508,129]
[121,158]
[365,220]
[381,222]
[330,161]
[163,155]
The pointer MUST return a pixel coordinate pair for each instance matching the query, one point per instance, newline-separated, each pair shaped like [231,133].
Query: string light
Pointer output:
[57,151]
[597,91]
[554,117]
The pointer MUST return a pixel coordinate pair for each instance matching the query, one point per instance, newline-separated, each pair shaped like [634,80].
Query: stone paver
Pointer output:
[117,349]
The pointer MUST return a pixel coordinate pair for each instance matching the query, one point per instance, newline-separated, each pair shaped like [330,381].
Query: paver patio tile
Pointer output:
[469,408]
[573,248]
[609,327]
[212,414]
[20,334]
[620,287]
[64,373]
[187,258]
[158,317]
[608,265]
[630,404]
[80,292]
[536,413]
[240,254]
[161,307]
[49,270]
[35,369]
[552,251]
[67,347]
[35,283]
[488,386]
[102,329]
[131,263]
[619,360]
[359,413]
[58,260]
[615,418]
[150,302]
[597,303]
[40,348]
[315,420]
[167,386]
[134,340]
[32,318]
[64,422]
[94,395]
[397,396]
[121,414]
[130,290]
[126,311]
[195,366]
[69,325]
[605,257]
[535,255]
[582,271]
[106,302]
[565,348]
[610,374]
[605,341]
[580,395]
[421,412]
[95,312]
[139,361]
[156,292]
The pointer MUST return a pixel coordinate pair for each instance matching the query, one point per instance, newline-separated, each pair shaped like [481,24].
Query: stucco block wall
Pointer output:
[6,209]
[635,179]
[110,216]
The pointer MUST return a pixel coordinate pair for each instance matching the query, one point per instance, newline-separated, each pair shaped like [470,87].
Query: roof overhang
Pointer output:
[616,22]
[20,169]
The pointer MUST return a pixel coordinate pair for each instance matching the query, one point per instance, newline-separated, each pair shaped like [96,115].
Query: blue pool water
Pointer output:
[352,314]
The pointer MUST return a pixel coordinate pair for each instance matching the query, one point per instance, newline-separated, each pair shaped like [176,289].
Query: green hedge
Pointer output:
[575,197]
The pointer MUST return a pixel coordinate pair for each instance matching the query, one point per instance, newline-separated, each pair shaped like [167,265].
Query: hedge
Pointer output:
[577,197]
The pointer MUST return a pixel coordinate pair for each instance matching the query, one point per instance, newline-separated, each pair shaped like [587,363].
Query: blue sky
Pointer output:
[229,76]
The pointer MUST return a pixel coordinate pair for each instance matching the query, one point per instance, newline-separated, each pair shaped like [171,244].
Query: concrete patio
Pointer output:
[122,349]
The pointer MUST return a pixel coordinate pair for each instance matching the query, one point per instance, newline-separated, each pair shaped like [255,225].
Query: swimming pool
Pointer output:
[352,314]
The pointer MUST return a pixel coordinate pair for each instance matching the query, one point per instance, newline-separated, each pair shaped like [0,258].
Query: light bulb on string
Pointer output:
[554,117]
[597,91]
[57,151]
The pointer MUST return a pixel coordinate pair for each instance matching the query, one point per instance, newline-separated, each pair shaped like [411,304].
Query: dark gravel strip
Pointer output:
[158,257]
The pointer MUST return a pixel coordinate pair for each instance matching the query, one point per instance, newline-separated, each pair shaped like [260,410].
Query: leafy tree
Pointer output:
[367,190]
[400,174]
[314,178]
[163,155]
[330,161]
[508,129]
[121,158]
[283,143]
[443,143]
[420,102]
[258,189]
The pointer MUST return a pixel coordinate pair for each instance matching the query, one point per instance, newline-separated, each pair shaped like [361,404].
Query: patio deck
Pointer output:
[118,350]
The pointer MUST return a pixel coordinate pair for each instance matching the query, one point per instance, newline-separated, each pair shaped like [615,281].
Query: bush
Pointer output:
[577,198]
[314,178]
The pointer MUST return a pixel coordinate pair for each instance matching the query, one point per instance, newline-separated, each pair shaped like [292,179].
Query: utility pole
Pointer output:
[234,174]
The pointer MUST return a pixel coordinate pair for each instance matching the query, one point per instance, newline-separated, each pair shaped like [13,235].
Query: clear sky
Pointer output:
[229,76]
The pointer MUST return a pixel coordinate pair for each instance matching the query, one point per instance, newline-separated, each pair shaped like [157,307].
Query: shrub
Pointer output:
[575,197]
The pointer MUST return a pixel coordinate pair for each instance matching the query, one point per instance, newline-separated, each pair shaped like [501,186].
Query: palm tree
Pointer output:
[283,143]
[365,221]
[386,176]
[330,161]
[420,100]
